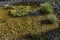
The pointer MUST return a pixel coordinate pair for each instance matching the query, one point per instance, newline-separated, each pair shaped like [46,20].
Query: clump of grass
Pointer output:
[46,7]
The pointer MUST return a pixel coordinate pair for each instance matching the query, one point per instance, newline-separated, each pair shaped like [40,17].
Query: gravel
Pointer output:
[9,2]
[52,35]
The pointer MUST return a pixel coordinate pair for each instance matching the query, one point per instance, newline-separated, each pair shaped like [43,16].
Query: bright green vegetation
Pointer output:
[21,10]
[24,10]
[47,7]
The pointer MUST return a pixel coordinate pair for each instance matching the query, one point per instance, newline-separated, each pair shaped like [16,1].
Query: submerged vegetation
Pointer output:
[12,27]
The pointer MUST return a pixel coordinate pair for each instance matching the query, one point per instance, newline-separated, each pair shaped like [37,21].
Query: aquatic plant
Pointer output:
[21,10]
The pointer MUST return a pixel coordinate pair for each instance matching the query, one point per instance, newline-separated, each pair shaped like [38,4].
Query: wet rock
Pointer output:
[34,13]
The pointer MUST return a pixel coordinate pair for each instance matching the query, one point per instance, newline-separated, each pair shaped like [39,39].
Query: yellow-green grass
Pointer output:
[13,27]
